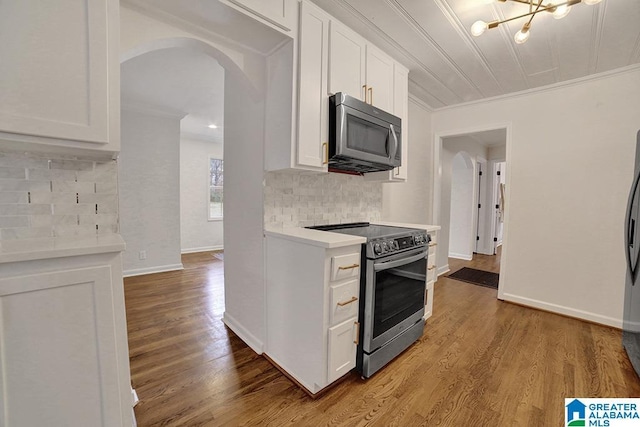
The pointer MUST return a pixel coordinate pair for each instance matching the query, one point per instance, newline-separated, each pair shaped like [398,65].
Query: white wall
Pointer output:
[149,184]
[197,232]
[244,290]
[570,159]
[461,216]
[410,201]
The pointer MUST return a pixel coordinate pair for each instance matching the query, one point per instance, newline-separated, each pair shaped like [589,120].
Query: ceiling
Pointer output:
[449,66]
[177,81]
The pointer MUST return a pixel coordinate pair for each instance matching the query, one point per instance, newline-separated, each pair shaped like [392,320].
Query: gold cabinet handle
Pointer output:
[370,90]
[432,245]
[398,171]
[325,147]
[364,87]
[353,299]
[357,340]
[431,268]
[348,267]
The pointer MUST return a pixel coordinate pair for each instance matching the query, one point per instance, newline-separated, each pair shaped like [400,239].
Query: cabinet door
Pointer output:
[58,351]
[401,109]
[313,122]
[347,52]
[273,11]
[343,340]
[379,78]
[57,65]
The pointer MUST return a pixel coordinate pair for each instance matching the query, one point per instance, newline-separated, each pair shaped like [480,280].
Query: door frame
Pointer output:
[437,192]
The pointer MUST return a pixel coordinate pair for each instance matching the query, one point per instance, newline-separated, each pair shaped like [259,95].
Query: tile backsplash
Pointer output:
[302,200]
[42,195]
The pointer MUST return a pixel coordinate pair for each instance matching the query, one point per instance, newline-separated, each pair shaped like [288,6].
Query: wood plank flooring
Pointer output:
[480,362]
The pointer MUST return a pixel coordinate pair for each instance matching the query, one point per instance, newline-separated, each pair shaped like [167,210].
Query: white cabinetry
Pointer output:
[432,275]
[359,69]
[63,339]
[313,101]
[280,14]
[312,310]
[59,80]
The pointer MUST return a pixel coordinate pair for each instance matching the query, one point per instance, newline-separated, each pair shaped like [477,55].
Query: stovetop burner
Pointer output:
[382,240]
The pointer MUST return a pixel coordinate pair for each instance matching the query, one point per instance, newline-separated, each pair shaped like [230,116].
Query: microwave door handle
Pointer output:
[392,154]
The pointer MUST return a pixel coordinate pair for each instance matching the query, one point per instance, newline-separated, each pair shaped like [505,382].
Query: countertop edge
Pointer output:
[323,239]
[425,227]
[59,247]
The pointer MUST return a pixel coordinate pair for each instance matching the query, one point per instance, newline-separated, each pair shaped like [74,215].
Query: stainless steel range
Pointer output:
[392,290]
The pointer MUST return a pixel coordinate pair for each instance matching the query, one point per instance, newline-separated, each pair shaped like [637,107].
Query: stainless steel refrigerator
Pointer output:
[631,321]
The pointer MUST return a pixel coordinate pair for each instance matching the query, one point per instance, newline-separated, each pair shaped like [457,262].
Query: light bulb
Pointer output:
[561,11]
[478,28]
[213,127]
[522,36]
[591,2]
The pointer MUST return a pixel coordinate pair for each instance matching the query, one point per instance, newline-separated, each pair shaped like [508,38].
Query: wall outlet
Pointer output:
[142,255]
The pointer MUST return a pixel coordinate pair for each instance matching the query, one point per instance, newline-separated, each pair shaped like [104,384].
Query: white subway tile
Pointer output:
[74,165]
[73,208]
[22,185]
[72,187]
[12,172]
[25,233]
[12,159]
[74,230]
[14,221]
[107,187]
[13,197]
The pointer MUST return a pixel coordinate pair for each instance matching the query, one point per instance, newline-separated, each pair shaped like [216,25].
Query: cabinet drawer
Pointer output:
[344,301]
[431,270]
[345,266]
[343,339]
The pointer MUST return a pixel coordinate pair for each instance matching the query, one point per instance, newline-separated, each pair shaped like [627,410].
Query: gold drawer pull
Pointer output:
[349,267]
[431,268]
[357,340]
[432,245]
[325,145]
[370,90]
[353,299]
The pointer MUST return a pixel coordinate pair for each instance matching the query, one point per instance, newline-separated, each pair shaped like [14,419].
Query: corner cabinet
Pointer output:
[64,358]
[312,310]
[59,80]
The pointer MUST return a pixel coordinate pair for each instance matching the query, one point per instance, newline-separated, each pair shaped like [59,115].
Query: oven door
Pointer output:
[394,296]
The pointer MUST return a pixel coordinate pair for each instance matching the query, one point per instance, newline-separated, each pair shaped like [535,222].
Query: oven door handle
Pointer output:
[379,266]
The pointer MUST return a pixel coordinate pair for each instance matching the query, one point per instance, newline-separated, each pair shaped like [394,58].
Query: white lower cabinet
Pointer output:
[63,342]
[343,340]
[432,275]
[312,310]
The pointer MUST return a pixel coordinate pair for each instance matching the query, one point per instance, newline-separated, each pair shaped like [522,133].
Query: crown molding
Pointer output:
[549,88]
[420,103]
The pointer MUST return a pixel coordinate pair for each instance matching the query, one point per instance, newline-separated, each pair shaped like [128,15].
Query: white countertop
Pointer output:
[324,239]
[58,247]
[327,239]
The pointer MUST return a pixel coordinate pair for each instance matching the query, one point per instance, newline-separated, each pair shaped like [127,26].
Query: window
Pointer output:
[216,180]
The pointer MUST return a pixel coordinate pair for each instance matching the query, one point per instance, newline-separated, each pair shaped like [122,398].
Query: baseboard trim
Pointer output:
[461,256]
[246,336]
[151,270]
[565,311]
[443,270]
[202,249]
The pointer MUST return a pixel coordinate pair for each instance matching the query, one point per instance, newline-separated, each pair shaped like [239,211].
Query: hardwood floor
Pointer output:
[480,362]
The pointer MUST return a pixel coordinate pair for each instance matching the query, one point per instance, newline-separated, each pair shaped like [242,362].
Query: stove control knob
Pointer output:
[377,249]
[395,245]
[385,247]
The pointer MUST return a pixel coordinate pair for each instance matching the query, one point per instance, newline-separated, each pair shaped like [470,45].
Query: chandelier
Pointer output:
[559,10]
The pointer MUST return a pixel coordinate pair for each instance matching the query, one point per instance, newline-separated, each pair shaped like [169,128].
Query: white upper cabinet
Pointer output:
[279,13]
[359,69]
[313,100]
[379,79]
[346,62]
[59,79]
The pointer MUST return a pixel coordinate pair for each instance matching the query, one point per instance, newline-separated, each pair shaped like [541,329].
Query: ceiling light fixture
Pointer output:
[213,127]
[559,10]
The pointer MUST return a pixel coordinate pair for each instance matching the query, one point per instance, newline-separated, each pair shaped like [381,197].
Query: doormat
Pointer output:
[476,277]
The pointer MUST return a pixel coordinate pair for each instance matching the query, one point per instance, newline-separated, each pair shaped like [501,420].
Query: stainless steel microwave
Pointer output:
[362,138]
